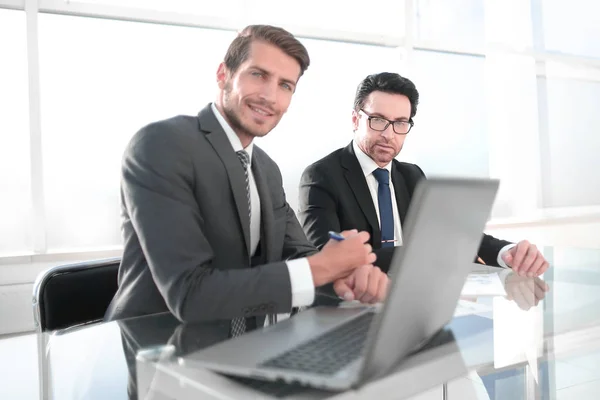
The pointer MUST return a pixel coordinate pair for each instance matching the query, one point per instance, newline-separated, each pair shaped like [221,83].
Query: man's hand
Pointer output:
[368,284]
[526,292]
[338,259]
[525,259]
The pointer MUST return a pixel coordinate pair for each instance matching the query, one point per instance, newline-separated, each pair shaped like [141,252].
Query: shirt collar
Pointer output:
[366,163]
[231,135]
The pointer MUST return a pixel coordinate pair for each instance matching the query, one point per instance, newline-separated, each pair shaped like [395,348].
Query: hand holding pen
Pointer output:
[338,259]
[368,283]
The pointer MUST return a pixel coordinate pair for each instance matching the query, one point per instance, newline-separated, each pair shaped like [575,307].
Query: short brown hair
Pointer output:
[239,49]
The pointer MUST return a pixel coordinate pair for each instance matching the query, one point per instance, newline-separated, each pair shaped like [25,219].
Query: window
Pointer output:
[379,17]
[512,126]
[15,201]
[457,23]
[508,22]
[204,8]
[354,20]
[449,136]
[572,28]
[574,142]
[101,81]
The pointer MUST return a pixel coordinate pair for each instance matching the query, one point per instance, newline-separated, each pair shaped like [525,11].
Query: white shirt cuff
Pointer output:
[501,252]
[301,280]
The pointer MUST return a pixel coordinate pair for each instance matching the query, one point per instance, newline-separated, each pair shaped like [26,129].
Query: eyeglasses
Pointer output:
[380,124]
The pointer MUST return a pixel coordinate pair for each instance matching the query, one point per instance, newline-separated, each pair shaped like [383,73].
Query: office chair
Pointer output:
[74,294]
[69,296]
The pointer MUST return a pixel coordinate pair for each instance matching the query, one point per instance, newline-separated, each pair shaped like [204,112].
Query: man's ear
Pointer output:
[222,74]
[355,120]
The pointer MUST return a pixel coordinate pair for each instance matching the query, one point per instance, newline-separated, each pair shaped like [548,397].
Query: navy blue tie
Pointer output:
[386,215]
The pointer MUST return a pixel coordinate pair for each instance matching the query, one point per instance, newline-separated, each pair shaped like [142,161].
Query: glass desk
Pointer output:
[524,343]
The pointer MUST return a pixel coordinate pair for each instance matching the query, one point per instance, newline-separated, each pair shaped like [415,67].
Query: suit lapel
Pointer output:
[358,184]
[402,197]
[237,178]
[266,207]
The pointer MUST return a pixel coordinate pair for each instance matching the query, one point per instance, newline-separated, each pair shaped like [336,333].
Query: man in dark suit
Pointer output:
[208,232]
[363,186]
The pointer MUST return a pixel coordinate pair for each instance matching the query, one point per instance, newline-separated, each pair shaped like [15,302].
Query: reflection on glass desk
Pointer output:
[539,340]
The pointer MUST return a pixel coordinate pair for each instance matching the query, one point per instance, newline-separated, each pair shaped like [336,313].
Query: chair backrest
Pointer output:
[74,294]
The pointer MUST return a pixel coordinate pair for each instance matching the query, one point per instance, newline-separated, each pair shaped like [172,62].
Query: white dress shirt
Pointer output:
[301,280]
[368,166]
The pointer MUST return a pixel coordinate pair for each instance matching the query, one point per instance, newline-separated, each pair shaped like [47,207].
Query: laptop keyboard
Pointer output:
[327,353]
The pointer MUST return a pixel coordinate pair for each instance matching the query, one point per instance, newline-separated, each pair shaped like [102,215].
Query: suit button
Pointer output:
[263,307]
[247,310]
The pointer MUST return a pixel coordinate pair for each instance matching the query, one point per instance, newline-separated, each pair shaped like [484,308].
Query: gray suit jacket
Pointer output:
[187,231]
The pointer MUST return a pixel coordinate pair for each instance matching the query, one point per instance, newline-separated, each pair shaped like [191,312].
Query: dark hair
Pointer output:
[388,82]
[239,49]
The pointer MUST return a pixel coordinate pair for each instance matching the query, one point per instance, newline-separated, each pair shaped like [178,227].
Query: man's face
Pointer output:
[256,96]
[382,146]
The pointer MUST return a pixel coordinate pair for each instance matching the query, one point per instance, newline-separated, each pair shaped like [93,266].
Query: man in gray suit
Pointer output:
[208,232]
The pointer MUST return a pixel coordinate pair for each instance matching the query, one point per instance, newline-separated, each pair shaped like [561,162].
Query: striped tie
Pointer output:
[238,325]
[245,160]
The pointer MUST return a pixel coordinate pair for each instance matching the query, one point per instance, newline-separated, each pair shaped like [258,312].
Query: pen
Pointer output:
[336,236]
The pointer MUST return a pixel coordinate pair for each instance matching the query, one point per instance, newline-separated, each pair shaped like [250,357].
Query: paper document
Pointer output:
[483,285]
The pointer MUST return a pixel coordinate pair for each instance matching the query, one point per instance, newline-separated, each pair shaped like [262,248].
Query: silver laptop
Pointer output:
[336,348]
